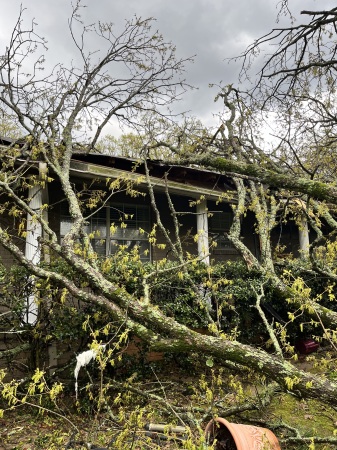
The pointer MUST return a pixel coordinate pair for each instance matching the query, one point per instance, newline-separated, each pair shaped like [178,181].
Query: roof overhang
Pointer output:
[83,169]
[193,183]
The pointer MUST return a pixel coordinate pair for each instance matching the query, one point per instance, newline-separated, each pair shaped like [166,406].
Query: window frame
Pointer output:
[109,237]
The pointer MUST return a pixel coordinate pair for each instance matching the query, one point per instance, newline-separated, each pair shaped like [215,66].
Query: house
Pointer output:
[201,199]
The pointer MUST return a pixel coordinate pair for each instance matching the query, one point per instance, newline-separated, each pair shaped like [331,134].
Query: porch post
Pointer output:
[32,250]
[202,229]
[36,194]
[303,234]
[43,173]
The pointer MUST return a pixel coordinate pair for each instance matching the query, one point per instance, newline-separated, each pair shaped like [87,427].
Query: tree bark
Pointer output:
[316,189]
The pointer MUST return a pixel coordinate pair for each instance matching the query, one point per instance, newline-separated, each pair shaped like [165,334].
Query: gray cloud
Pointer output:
[213,30]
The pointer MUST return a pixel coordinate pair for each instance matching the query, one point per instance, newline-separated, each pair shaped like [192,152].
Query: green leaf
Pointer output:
[209,362]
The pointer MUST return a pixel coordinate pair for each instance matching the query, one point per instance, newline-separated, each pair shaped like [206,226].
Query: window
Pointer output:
[131,225]
[218,225]
[116,225]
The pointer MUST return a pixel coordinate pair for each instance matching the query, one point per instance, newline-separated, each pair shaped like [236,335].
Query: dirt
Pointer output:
[224,440]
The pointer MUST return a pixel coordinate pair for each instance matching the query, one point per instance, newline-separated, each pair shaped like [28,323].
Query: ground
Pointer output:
[202,394]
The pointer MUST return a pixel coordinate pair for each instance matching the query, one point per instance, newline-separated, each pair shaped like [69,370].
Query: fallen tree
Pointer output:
[52,112]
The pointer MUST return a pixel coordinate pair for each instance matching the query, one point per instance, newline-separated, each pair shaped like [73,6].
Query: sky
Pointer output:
[212,30]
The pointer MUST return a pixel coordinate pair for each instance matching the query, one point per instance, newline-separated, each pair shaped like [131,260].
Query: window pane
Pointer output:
[219,225]
[98,227]
[99,246]
[65,225]
[220,221]
[128,220]
[143,247]
[96,224]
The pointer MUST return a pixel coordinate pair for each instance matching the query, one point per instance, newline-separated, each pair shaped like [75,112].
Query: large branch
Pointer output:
[164,333]
[315,189]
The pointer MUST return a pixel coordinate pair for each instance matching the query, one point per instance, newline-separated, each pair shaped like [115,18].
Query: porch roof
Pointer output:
[180,180]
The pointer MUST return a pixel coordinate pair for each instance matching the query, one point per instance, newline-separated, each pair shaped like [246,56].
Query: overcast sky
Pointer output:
[213,30]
